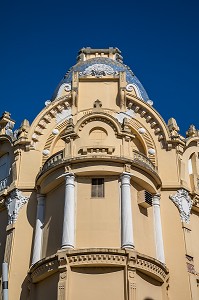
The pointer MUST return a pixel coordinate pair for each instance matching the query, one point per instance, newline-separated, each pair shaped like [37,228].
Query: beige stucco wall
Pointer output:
[195,238]
[47,289]
[148,288]
[174,249]
[143,226]
[105,91]
[98,219]
[98,283]
[52,232]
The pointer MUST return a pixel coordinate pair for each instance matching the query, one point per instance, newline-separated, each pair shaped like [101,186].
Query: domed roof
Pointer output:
[100,66]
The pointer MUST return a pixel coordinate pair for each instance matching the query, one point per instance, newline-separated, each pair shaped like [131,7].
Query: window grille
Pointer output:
[145,198]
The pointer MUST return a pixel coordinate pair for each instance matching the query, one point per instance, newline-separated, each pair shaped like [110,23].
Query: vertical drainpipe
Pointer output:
[5,280]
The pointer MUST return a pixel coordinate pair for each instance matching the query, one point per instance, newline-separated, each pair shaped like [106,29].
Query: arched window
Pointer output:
[190,165]
[4,170]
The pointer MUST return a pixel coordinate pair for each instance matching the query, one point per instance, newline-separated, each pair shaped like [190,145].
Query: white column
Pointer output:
[68,235]
[126,212]
[5,281]
[158,229]
[38,229]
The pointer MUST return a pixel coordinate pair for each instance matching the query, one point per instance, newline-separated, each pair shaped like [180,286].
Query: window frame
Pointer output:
[97,187]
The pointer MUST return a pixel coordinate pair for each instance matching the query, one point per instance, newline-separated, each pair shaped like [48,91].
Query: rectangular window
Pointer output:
[97,189]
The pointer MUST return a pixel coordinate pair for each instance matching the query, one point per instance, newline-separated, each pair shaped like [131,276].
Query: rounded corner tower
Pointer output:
[96,200]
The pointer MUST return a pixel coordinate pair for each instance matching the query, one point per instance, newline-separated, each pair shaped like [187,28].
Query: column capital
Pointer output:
[40,199]
[69,174]
[69,178]
[126,173]
[156,199]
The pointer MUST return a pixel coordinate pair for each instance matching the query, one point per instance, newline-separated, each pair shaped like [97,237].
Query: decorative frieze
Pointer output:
[97,150]
[184,204]
[131,260]
[97,259]
[150,267]
[14,203]
[98,70]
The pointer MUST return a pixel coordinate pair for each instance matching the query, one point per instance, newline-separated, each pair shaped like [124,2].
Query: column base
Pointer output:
[67,247]
[128,246]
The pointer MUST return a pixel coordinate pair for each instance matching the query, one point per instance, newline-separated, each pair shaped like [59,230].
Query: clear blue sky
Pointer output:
[159,40]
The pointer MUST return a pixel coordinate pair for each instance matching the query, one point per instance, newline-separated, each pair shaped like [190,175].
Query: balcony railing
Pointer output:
[143,160]
[54,160]
[138,159]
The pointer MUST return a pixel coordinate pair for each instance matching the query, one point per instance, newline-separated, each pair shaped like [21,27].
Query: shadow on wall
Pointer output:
[31,215]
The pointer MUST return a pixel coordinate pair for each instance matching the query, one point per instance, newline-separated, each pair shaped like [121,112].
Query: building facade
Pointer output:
[99,197]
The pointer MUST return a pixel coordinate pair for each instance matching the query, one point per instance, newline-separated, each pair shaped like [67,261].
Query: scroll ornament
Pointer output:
[14,203]
[184,204]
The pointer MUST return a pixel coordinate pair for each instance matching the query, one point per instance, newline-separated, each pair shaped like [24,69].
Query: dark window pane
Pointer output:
[97,189]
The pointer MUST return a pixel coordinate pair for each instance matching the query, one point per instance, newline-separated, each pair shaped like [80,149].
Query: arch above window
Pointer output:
[98,133]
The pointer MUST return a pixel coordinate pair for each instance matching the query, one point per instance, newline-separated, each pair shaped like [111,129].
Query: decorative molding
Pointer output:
[44,270]
[101,118]
[184,204]
[129,259]
[97,259]
[97,150]
[130,87]
[14,203]
[135,124]
[54,160]
[150,118]
[98,70]
[59,109]
[150,267]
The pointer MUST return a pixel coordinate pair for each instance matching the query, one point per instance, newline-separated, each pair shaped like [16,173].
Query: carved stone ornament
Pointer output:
[13,203]
[98,70]
[184,203]
[130,87]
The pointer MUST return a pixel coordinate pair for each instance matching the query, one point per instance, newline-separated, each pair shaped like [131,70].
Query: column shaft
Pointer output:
[126,212]
[68,236]
[158,229]
[38,229]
